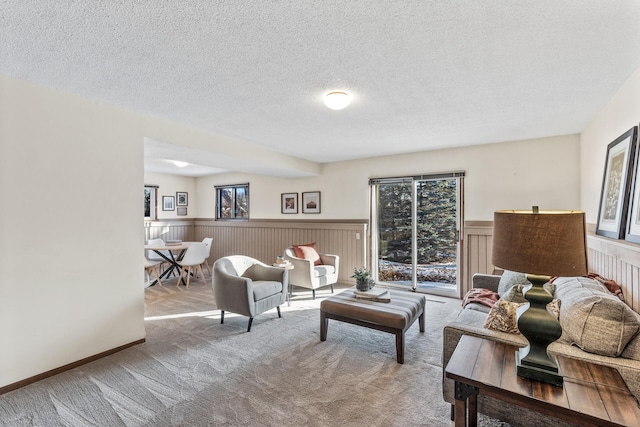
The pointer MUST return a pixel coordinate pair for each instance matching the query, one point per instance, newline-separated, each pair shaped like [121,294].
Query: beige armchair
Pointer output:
[246,286]
[307,275]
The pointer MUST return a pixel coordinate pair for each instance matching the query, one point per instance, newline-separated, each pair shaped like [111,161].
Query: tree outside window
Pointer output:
[150,202]
[232,202]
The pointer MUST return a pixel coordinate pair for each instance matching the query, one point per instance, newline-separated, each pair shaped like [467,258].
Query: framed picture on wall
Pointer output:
[289,203]
[182,211]
[311,202]
[616,185]
[168,203]
[182,198]
[633,216]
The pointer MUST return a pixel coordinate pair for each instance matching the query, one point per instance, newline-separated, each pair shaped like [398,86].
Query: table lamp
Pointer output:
[539,244]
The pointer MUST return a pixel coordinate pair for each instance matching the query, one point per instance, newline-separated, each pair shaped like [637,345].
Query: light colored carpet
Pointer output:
[192,371]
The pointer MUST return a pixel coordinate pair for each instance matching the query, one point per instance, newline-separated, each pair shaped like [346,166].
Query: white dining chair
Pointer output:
[208,241]
[153,256]
[150,266]
[194,257]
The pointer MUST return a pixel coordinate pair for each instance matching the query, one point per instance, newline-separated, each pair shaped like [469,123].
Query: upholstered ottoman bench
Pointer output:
[394,317]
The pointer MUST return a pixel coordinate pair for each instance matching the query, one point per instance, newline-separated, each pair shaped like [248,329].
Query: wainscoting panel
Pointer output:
[266,239]
[614,259]
[617,260]
[169,230]
[478,240]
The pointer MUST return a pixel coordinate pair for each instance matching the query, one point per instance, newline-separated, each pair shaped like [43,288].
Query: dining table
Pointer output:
[176,252]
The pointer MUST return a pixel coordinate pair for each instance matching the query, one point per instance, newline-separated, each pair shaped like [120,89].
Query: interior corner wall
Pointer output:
[169,185]
[620,114]
[509,175]
[67,165]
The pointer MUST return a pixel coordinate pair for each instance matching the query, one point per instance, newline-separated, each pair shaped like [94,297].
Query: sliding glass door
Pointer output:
[416,231]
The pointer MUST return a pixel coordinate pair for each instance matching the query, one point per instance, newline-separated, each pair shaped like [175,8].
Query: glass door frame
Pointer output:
[374,232]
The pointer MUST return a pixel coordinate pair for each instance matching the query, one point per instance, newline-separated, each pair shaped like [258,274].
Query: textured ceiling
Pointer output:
[424,74]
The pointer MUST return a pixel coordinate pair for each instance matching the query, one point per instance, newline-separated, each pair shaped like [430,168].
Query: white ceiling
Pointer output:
[423,74]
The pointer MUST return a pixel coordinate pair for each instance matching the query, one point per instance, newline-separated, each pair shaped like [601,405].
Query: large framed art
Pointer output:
[616,185]
[633,216]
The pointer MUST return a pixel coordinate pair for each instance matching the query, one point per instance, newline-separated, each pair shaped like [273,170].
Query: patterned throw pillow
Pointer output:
[554,308]
[502,317]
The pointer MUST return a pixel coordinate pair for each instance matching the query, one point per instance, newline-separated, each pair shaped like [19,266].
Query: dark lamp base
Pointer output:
[540,328]
[545,375]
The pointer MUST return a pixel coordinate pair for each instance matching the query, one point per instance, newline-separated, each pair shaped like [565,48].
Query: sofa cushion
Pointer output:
[323,270]
[594,320]
[469,322]
[585,282]
[265,288]
[632,350]
[478,307]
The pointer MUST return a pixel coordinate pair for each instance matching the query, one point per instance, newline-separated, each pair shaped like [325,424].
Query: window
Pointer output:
[150,201]
[232,202]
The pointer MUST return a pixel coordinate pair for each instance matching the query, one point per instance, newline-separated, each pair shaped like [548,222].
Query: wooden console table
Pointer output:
[592,395]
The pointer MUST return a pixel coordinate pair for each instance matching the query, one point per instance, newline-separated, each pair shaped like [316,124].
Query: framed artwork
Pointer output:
[289,203]
[311,202]
[616,185]
[182,211]
[633,216]
[168,203]
[182,198]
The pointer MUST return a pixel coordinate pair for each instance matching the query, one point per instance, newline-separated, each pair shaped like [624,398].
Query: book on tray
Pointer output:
[375,294]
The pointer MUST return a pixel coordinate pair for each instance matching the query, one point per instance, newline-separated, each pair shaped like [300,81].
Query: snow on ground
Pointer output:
[389,271]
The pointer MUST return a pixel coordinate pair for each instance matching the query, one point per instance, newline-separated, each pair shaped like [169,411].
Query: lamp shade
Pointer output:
[548,243]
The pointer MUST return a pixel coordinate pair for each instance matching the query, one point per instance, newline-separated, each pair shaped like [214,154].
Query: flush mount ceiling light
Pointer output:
[337,100]
[180,164]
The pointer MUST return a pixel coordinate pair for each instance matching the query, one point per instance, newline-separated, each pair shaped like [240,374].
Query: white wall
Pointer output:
[71,178]
[620,114]
[67,165]
[513,175]
[168,185]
